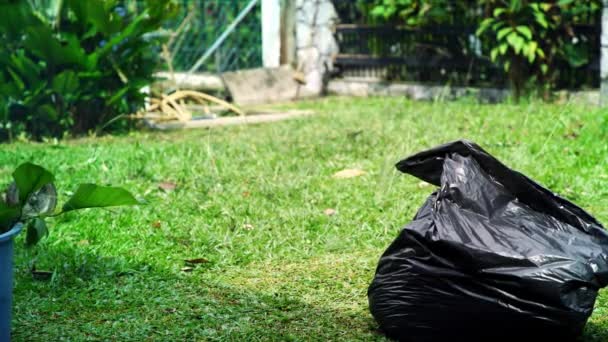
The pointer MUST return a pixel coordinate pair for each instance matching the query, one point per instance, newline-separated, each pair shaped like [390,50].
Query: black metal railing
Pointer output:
[438,54]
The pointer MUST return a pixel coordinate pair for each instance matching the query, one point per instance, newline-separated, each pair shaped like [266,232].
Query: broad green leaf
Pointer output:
[16,16]
[47,10]
[30,178]
[503,48]
[532,46]
[499,11]
[127,32]
[503,32]
[519,44]
[494,54]
[65,82]
[18,81]
[119,94]
[95,196]
[546,6]
[36,230]
[530,54]
[483,26]
[94,17]
[497,25]
[525,31]
[540,53]
[576,55]
[540,18]
[377,11]
[27,69]
[515,5]
[47,112]
[544,68]
[55,52]
[525,50]
[515,41]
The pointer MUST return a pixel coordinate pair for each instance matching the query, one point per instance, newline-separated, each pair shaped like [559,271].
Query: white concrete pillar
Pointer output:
[604,56]
[271,33]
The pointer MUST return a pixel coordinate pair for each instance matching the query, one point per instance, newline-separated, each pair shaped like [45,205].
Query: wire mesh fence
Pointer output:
[198,25]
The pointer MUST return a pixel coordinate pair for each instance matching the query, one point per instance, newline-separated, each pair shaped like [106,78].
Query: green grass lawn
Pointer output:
[251,201]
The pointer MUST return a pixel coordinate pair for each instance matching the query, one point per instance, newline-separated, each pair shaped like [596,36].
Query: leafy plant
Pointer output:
[530,38]
[32,197]
[411,12]
[72,65]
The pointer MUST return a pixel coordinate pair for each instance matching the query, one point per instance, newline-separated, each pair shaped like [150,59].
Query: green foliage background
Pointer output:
[71,66]
[531,39]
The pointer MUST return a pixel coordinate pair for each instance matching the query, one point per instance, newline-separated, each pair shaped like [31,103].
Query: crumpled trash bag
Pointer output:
[490,256]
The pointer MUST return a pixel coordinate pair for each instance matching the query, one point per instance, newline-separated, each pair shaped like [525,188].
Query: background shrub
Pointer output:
[70,66]
[532,40]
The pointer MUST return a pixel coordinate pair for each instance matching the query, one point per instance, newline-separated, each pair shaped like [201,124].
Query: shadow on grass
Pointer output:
[92,297]
[595,332]
[103,298]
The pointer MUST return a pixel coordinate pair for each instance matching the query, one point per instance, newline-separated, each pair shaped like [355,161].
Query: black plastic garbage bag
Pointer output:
[490,256]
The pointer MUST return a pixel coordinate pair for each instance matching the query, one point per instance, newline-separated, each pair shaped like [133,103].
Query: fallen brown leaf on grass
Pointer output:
[349,173]
[167,186]
[41,275]
[329,212]
[196,261]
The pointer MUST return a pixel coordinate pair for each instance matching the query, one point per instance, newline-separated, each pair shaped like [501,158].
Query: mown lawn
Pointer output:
[251,201]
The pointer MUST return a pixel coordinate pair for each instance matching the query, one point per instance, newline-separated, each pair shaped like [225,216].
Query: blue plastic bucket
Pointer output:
[6,281]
